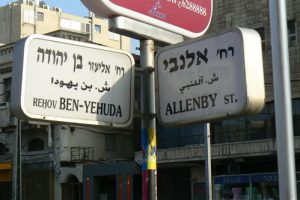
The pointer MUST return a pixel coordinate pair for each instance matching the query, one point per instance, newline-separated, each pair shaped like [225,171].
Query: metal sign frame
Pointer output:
[68,81]
[217,77]
[178,16]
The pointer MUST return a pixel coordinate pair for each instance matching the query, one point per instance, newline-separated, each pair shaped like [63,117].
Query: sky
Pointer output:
[69,6]
[74,7]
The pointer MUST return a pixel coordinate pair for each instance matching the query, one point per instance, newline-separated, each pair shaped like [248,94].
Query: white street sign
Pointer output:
[207,79]
[68,81]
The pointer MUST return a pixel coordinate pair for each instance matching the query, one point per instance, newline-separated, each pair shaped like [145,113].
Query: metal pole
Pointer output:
[208,183]
[17,165]
[55,136]
[20,157]
[282,94]
[148,120]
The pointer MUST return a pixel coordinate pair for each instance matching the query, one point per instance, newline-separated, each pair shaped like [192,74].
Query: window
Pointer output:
[262,33]
[171,137]
[252,127]
[36,144]
[238,185]
[7,89]
[2,149]
[29,16]
[87,28]
[296,116]
[292,36]
[40,16]
[97,28]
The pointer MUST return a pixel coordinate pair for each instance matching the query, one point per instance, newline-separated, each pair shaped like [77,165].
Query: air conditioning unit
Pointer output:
[31,3]
[4,104]
[46,7]
[57,9]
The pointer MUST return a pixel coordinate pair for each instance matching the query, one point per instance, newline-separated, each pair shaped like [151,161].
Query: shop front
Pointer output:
[262,186]
[5,180]
[112,181]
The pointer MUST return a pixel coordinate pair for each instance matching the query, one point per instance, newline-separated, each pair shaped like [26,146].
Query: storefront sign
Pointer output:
[67,81]
[189,18]
[246,186]
[212,78]
[250,178]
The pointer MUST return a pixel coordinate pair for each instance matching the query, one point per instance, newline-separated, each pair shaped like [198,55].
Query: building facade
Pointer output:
[57,158]
[244,149]
[52,155]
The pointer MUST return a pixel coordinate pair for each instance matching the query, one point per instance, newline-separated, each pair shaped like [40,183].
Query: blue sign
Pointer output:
[271,177]
[253,178]
[231,179]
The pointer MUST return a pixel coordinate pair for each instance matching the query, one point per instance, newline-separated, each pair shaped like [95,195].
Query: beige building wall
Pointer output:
[21,20]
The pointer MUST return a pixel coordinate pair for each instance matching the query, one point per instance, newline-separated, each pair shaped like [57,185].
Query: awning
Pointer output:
[5,172]
[5,166]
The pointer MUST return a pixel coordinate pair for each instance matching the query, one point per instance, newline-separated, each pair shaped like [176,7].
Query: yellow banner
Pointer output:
[152,149]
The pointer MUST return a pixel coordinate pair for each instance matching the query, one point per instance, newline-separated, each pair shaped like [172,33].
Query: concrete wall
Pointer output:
[254,14]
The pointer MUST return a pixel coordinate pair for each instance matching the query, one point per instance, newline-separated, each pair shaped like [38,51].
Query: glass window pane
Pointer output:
[292,37]
[97,28]
[36,145]
[40,16]
[7,89]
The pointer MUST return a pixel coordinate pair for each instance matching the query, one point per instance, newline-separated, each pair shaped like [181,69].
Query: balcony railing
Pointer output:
[216,137]
[82,154]
[219,151]
[243,135]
